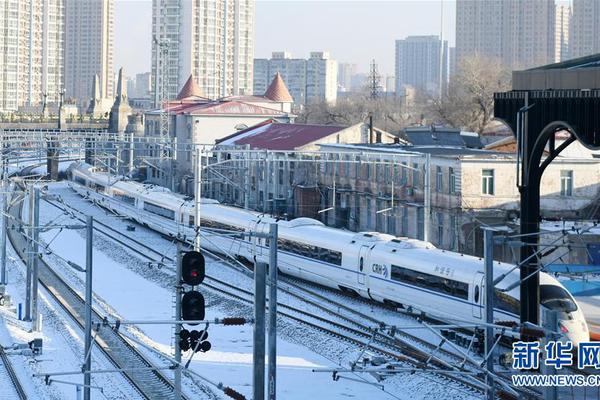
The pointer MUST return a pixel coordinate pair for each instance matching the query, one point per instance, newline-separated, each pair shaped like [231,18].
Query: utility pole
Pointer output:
[258,376]
[5,187]
[28,280]
[427,198]
[35,230]
[177,379]
[272,376]
[88,308]
[488,236]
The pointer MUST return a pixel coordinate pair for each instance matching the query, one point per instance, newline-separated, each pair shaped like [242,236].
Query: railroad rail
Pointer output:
[10,387]
[351,331]
[149,382]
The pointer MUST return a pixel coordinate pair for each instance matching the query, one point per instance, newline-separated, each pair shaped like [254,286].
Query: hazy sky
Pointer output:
[352,31]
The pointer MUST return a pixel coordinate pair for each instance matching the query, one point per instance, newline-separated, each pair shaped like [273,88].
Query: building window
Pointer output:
[452,232]
[452,179]
[415,175]
[404,221]
[487,181]
[420,223]
[566,183]
[440,228]
[438,179]
[404,173]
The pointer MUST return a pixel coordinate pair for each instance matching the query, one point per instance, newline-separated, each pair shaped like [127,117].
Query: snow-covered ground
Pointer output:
[127,288]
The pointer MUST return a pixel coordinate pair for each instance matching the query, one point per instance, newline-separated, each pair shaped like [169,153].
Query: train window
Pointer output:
[506,302]
[158,210]
[123,197]
[556,298]
[431,282]
[314,252]
[361,263]
[476,294]
[191,223]
[80,180]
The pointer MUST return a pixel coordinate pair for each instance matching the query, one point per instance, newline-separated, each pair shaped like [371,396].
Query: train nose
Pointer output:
[575,331]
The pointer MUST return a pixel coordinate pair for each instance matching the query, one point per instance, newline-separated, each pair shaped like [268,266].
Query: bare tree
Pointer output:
[469,101]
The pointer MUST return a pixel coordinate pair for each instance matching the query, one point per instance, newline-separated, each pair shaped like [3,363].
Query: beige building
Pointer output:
[32,40]
[585,28]
[212,40]
[520,33]
[89,50]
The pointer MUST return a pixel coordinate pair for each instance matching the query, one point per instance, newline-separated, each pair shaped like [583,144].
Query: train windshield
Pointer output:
[556,298]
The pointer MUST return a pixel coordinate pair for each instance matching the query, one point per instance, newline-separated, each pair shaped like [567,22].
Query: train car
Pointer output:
[400,271]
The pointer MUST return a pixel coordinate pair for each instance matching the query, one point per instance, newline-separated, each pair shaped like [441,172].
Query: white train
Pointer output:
[384,268]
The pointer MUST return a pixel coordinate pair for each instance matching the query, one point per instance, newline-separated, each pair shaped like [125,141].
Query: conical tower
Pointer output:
[94,108]
[120,109]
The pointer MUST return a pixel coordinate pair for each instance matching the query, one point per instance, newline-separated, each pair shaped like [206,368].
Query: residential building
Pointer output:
[143,85]
[390,84]
[418,61]
[32,39]
[520,34]
[344,77]
[212,40]
[309,81]
[585,28]
[562,32]
[451,62]
[89,44]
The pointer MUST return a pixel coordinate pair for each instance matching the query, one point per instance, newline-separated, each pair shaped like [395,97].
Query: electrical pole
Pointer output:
[272,312]
[5,186]
[177,379]
[28,279]
[34,258]
[427,198]
[197,194]
[258,376]
[88,308]
[488,236]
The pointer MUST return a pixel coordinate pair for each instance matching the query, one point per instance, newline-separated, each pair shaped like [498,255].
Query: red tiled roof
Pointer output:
[277,91]
[276,136]
[218,107]
[190,89]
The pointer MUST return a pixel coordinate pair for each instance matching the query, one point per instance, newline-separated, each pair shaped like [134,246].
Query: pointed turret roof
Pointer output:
[277,91]
[190,89]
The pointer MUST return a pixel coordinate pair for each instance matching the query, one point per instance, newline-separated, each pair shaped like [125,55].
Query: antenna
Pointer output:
[374,81]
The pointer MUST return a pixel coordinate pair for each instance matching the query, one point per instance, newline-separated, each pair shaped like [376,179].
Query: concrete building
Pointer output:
[344,77]
[585,28]
[89,48]
[521,34]
[390,84]
[418,63]
[212,40]
[32,40]
[562,32]
[309,81]
[143,85]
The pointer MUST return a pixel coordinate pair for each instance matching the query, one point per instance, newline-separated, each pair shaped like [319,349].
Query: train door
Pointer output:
[477,295]
[363,259]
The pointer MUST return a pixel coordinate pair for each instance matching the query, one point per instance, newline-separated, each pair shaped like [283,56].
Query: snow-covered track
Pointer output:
[137,369]
[10,387]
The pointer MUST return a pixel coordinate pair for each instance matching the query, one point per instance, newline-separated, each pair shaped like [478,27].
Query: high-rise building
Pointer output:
[310,80]
[585,28]
[211,40]
[519,33]
[390,84]
[89,44]
[418,63]
[143,85]
[561,39]
[32,58]
[345,73]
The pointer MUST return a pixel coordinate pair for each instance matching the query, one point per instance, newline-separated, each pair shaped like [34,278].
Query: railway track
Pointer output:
[353,329]
[149,382]
[10,387]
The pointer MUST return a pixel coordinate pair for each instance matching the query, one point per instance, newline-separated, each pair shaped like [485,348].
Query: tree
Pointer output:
[469,101]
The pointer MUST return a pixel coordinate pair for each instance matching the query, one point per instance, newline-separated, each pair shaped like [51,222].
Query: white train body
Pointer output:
[382,267]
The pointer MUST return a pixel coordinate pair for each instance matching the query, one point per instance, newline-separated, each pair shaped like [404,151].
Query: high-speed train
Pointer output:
[396,270]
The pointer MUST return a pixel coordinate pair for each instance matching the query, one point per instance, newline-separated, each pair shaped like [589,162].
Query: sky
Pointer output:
[352,31]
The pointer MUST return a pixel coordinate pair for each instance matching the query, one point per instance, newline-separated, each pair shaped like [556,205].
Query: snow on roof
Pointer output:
[276,136]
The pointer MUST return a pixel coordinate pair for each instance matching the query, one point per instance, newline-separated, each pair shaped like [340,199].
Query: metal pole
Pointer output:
[34,257]
[88,307]
[258,379]
[427,198]
[5,186]
[131,152]
[247,178]
[489,307]
[178,326]
[550,323]
[29,257]
[272,312]
[197,194]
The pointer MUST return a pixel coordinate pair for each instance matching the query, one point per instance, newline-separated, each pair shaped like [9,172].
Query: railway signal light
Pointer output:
[192,306]
[192,268]
[184,340]
[199,342]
